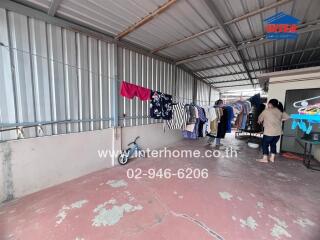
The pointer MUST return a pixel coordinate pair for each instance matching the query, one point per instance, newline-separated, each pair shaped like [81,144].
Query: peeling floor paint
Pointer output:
[158,198]
[260,205]
[225,195]
[40,210]
[280,174]
[78,204]
[304,222]
[278,221]
[109,217]
[249,222]
[117,183]
[252,195]
[279,228]
[259,214]
[130,197]
[278,231]
[64,210]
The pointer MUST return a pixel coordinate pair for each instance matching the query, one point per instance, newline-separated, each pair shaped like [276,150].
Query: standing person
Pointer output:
[222,125]
[272,119]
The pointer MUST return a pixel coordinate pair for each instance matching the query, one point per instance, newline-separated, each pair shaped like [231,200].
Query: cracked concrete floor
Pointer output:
[240,199]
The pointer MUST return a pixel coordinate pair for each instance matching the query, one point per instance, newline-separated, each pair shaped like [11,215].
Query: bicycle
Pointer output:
[123,158]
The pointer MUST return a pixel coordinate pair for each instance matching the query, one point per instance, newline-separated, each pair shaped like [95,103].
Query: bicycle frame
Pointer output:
[133,150]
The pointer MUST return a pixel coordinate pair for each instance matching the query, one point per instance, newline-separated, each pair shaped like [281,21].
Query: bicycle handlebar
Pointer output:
[134,142]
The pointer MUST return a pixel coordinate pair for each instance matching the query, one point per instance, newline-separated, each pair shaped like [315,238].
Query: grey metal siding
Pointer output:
[184,86]
[203,91]
[65,80]
[143,71]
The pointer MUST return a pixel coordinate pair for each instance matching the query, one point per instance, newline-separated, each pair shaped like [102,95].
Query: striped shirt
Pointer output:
[179,117]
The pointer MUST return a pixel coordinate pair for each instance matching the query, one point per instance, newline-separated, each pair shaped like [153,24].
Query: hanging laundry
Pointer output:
[160,106]
[130,91]
[215,122]
[211,115]
[194,115]
[191,111]
[230,117]
[222,125]
[143,93]
[179,117]
[255,100]
[202,120]
[194,133]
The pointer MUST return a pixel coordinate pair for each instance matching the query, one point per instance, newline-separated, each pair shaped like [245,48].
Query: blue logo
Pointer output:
[281,26]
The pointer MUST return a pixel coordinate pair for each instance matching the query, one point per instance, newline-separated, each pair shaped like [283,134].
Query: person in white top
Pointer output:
[272,119]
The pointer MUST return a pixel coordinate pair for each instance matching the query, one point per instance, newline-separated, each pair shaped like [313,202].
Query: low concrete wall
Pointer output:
[151,136]
[37,163]
[29,165]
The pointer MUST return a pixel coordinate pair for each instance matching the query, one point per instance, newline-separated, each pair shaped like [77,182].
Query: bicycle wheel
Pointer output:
[123,158]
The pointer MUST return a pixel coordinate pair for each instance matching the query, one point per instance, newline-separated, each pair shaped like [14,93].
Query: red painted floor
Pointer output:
[240,199]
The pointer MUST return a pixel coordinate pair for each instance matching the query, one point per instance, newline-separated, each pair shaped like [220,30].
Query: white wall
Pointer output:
[38,163]
[279,85]
[151,136]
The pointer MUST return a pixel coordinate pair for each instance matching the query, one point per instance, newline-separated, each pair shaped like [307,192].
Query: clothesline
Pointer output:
[84,69]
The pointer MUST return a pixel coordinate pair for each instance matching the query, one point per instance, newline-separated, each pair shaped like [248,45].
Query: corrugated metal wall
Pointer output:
[59,75]
[214,96]
[203,92]
[55,75]
[184,86]
[147,72]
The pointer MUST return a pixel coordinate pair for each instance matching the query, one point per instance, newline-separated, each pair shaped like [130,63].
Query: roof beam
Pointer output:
[34,11]
[195,35]
[303,28]
[238,85]
[266,8]
[257,59]
[216,67]
[222,75]
[54,5]
[207,54]
[228,81]
[264,69]
[218,19]
[145,19]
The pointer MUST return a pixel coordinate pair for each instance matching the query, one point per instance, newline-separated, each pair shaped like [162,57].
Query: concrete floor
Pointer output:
[240,200]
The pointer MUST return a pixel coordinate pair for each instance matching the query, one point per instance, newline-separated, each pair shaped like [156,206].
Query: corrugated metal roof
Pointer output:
[243,21]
